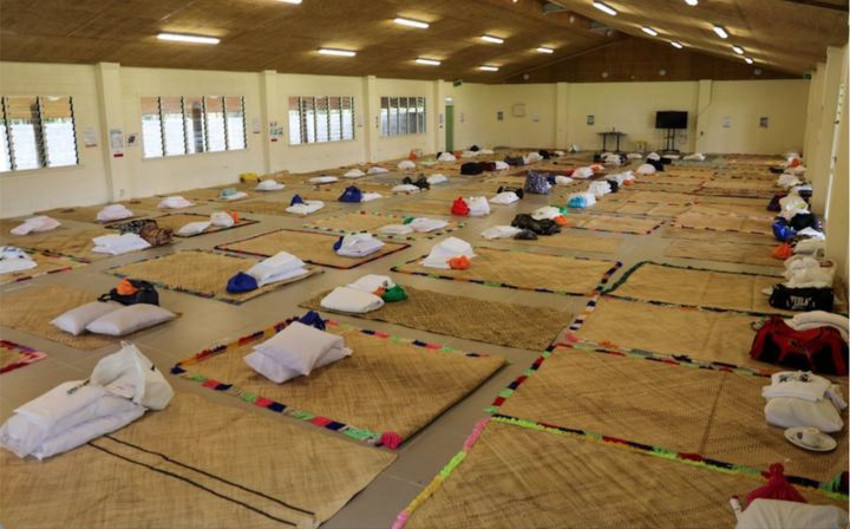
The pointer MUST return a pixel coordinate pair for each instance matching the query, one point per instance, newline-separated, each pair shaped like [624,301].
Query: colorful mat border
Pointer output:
[31,356]
[386,439]
[598,288]
[224,248]
[205,295]
[114,225]
[829,489]
[425,236]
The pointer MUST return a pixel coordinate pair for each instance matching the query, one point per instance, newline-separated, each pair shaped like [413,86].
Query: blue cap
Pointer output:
[338,243]
[313,320]
[351,194]
[296,200]
[241,282]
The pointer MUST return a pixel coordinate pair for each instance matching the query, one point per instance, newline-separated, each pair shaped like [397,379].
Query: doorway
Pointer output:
[450,128]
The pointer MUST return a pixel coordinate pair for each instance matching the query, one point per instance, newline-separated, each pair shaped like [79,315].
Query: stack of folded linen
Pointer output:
[377,169]
[304,207]
[113,212]
[351,300]
[646,169]
[357,245]
[562,180]
[323,180]
[405,188]
[426,225]
[406,165]
[38,224]
[622,178]
[446,157]
[502,166]
[801,399]
[446,250]
[788,180]
[500,232]
[469,154]
[354,173]
[222,219]
[437,178]
[478,206]
[782,514]
[15,260]
[486,152]
[280,267]
[599,189]
[695,157]
[114,244]
[370,196]
[533,157]
[583,173]
[581,200]
[612,159]
[803,271]
[231,194]
[269,185]
[395,229]
[122,387]
[194,228]
[175,202]
[546,212]
[634,156]
[818,318]
[504,198]
[295,351]
[373,284]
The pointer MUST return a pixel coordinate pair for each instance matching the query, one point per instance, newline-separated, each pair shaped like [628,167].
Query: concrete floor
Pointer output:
[205,322]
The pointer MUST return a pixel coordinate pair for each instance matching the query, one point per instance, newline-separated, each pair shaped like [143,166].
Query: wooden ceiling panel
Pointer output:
[784,35]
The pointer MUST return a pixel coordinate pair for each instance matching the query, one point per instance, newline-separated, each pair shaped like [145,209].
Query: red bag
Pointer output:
[777,488]
[820,350]
[460,207]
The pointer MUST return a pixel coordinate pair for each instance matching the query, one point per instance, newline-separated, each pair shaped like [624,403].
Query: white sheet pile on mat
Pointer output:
[425,225]
[113,212]
[279,267]
[15,260]
[175,202]
[351,300]
[354,173]
[377,170]
[478,206]
[779,514]
[309,206]
[194,228]
[38,224]
[445,250]
[269,185]
[295,351]
[122,387]
[114,244]
[803,399]
[500,232]
[505,198]
[323,179]
[437,178]
[359,245]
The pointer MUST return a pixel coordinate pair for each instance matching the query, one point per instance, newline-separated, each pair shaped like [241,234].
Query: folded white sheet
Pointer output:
[221,219]
[323,179]
[778,514]
[505,198]
[122,413]
[354,173]
[790,412]
[114,244]
[359,245]
[406,165]
[796,384]
[371,283]
[370,196]
[646,169]
[309,206]
[562,180]
[175,202]
[599,188]
[699,157]
[377,170]
[445,250]
[194,228]
[500,232]
[819,318]
[546,213]
[405,188]
[425,225]
[299,348]
[15,260]
[654,156]
[478,206]
[269,185]
[351,300]
[437,178]
[395,229]
[583,173]
[502,166]
[113,212]
[38,224]
[446,157]
[239,195]
[279,267]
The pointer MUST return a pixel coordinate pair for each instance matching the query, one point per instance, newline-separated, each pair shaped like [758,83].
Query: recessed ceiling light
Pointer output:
[721,31]
[544,49]
[290,1]
[488,68]
[605,8]
[649,31]
[335,51]
[676,44]
[410,22]
[737,49]
[692,2]
[491,38]
[749,60]
[194,39]
[429,62]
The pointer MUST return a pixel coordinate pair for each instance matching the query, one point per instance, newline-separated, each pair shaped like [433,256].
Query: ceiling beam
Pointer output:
[823,4]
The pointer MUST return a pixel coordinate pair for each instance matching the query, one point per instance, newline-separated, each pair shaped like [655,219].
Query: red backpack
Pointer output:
[820,350]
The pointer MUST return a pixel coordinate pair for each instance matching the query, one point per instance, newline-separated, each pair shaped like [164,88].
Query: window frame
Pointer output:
[40,135]
[312,104]
[401,116]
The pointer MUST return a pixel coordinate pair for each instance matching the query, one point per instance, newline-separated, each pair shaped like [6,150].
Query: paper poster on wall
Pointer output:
[535,118]
[256,126]
[89,137]
[591,119]
[116,143]
[359,121]
[500,116]
[764,122]
[275,131]
[518,110]
[727,123]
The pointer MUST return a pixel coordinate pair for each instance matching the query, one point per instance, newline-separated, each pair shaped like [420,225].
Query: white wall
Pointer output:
[108,96]
[27,191]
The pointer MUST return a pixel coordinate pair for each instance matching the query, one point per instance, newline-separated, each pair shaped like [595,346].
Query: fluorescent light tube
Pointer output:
[605,8]
[677,45]
[334,51]
[488,68]
[544,49]
[194,39]
[721,31]
[410,22]
[429,62]
[296,2]
[737,49]
[649,31]
[749,60]
[491,38]
[692,2]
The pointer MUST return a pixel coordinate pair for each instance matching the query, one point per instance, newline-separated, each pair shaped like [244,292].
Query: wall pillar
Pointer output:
[371,118]
[837,231]
[820,165]
[702,121]
[813,111]
[562,104]
[272,161]
[108,79]
[437,132]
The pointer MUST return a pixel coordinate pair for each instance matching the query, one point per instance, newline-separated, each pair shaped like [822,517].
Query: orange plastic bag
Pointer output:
[783,251]
[459,263]
[234,215]
[125,288]
[560,220]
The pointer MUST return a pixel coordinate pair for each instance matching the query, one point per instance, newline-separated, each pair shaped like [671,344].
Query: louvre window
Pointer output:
[402,116]
[173,126]
[37,132]
[320,119]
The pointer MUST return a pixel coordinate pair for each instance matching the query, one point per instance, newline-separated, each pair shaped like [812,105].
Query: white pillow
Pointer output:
[299,347]
[789,412]
[130,319]
[279,373]
[193,228]
[75,320]
[778,514]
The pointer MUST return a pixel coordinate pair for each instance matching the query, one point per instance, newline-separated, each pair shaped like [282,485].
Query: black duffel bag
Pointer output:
[802,299]
[146,293]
